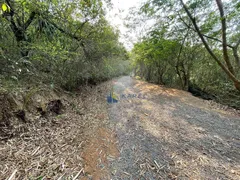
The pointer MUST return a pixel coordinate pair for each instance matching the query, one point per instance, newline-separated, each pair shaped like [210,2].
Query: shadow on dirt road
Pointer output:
[170,134]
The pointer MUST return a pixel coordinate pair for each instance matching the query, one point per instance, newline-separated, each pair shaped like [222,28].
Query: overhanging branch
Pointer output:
[30,20]
[226,70]
[73,36]
[206,36]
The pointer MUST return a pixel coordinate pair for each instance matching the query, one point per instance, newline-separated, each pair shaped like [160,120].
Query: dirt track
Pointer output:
[172,135]
[163,134]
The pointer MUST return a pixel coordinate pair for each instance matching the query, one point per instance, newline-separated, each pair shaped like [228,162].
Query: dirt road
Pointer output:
[169,134]
[151,132]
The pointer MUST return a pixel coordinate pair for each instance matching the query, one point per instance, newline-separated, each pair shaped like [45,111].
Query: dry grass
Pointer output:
[51,147]
[169,135]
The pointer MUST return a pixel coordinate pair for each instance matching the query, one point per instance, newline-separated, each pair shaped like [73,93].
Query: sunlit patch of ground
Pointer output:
[173,135]
[186,97]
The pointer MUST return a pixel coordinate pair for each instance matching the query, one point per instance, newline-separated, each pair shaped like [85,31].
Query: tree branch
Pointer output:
[11,8]
[30,20]
[65,32]
[204,35]
[233,47]
[224,36]
[178,59]
[236,56]
[238,43]
[226,70]
[235,53]
[80,27]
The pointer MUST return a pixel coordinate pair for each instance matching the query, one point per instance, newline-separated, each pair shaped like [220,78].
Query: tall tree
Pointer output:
[26,17]
[228,68]
[216,23]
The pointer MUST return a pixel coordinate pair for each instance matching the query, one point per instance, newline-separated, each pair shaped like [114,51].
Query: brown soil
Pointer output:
[98,152]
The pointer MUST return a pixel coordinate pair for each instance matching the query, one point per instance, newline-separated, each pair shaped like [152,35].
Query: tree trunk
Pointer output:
[149,71]
[19,28]
[228,70]
[179,75]
[235,54]
[237,85]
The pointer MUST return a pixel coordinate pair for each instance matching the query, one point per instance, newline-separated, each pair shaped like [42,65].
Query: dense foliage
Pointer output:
[193,45]
[64,43]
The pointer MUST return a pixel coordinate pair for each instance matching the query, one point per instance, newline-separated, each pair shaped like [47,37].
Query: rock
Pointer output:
[55,106]
[20,114]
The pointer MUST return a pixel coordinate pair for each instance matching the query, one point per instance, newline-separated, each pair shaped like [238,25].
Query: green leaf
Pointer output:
[5,8]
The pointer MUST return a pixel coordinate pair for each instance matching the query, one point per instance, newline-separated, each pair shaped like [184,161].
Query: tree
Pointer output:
[64,43]
[43,15]
[228,68]
[214,26]
[155,58]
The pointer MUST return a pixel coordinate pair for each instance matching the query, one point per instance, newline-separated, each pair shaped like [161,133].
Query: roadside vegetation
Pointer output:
[51,53]
[52,47]
[60,43]
[193,46]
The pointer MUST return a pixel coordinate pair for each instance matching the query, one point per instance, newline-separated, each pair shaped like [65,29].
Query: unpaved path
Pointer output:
[171,135]
[168,134]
